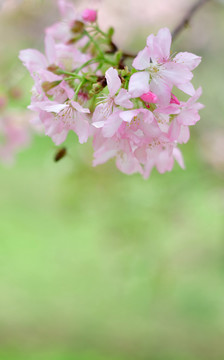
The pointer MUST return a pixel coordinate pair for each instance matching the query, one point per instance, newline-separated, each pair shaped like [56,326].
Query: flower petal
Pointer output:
[188,59]
[33,59]
[112,125]
[187,88]
[81,128]
[50,49]
[139,84]
[142,60]
[164,42]
[113,81]
[178,157]
[177,74]
[122,99]
[162,90]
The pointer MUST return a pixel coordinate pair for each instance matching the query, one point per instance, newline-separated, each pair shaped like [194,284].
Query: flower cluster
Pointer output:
[82,84]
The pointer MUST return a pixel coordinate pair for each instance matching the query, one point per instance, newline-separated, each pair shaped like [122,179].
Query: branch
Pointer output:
[188,17]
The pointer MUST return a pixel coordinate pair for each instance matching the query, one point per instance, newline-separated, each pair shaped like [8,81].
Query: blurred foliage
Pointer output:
[98,265]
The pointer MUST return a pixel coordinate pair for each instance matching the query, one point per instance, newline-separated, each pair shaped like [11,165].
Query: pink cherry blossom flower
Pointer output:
[107,102]
[118,147]
[187,115]
[159,153]
[160,73]
[64,56]
[58,119]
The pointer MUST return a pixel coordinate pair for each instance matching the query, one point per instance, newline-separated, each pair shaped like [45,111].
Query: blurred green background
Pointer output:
[98,265]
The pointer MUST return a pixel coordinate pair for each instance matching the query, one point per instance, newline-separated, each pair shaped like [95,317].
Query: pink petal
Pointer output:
[68,90]
[164,162]
[188,59]
[99,114]
[67,9]
[55,108]
[60,138]
[170,109]
[164,41]
[187,88]
[195,96]
[184,135]
[142,60]
[105,152]
[162,90]
[152,46]
[128,164]
[79,108]
[128,115]
[174,130]
[177,74]
[33,59]
[81,127]
[98,124]
[188,117]
[122,99]
[50,49]
[113,81]
[112,125]
[178,157]
[139,84]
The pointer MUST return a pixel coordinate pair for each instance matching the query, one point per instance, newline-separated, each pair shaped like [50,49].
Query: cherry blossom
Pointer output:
[133,114]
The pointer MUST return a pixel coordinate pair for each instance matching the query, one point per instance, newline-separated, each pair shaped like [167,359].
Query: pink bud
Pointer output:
[149,97]
[89,15]
[174,100]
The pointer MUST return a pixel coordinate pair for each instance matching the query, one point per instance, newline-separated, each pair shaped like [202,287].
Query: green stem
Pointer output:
[94,42]
[89,62]
[95,27]
[85,47]
[74,75]
[78,88]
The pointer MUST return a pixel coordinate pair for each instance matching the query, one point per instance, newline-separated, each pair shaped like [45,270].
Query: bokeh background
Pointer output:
[97,265]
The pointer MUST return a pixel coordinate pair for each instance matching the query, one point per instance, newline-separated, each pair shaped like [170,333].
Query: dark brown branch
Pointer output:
[188,17]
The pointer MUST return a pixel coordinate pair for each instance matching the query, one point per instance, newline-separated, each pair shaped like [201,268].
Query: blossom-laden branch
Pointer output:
[83,85]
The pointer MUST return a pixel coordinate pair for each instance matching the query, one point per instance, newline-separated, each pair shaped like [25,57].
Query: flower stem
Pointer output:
[78,88]
[94,42]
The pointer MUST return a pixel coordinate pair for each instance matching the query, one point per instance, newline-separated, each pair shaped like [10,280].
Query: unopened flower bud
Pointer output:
[96,88]
[89,15]
[149,97]
[46,85]
[174,100]
[77,26]
[53,68]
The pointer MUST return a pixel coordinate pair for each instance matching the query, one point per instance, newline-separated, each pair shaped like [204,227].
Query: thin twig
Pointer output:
[188,17]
